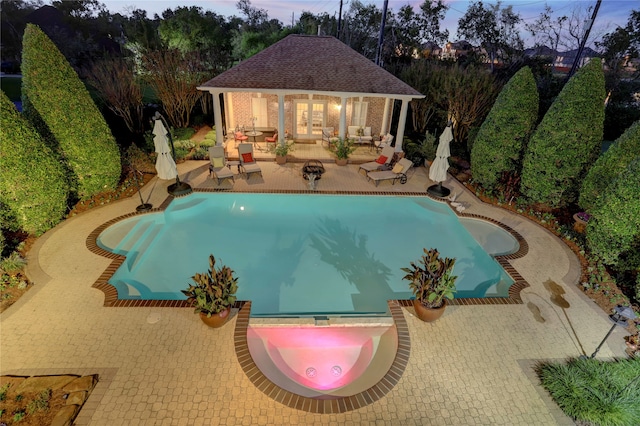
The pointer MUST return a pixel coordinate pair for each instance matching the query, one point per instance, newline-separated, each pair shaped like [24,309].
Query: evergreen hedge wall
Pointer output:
[613,232]
[60,107]
[33,185]
[567,141]
[505,132]
[609,165]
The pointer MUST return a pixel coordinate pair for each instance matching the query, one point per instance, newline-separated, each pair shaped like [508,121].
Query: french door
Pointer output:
[310,118]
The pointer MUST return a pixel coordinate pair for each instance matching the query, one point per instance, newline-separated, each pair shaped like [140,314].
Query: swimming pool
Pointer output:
[298,254]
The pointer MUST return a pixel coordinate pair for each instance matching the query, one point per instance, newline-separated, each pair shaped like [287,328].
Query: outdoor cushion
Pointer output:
[381,160]
[217,162]
[247,157]
[397,168]
[367,131]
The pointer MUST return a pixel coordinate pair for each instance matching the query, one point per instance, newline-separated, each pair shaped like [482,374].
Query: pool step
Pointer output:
[126,244]
[138,250]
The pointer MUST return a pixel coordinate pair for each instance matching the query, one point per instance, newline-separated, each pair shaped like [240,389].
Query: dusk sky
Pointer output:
[611,14]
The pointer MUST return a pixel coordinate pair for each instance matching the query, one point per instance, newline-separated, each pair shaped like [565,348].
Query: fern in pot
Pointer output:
[342,148]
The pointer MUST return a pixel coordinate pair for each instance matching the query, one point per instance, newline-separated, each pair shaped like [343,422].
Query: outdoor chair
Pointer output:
[399,172]
[219,168]
[385,140]
[248,163]
[384,160]
[271,139]
[240,137]
[327,136]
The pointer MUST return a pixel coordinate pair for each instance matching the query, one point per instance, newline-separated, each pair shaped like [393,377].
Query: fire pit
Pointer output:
[312,167]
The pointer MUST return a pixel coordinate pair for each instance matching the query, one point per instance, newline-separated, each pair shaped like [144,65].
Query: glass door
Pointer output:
[309,118]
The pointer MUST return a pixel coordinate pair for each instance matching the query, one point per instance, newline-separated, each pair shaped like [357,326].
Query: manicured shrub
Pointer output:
[609,165]
[501,140]
[567,141]
[595,392]
[614,227]
[60,107]
[33,185]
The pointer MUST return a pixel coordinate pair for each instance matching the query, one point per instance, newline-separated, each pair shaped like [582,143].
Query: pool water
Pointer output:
[298,254]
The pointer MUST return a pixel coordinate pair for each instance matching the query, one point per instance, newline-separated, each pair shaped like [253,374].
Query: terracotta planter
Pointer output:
[342,161]
[216,320]
[428,314]
[579,225]
[281,159]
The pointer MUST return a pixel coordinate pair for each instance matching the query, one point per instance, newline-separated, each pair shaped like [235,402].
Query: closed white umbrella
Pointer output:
[165,166]
[439,167]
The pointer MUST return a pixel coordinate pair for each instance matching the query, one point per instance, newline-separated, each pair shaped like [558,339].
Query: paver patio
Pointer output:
[162,366]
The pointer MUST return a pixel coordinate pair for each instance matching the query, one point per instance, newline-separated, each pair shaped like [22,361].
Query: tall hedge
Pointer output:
[567,141]
[60,107]
[614,228]
[499,145]
[33,184]
[609,165]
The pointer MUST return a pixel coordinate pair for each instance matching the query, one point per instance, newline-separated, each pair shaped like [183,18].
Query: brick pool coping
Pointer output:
[253,373]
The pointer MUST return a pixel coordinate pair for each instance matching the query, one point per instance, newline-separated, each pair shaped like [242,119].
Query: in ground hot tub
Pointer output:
[323,361]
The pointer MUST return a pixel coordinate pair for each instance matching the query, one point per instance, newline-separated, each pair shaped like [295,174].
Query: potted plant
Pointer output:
[281,150]
[432,282]
[581,219]
[213,293]
[343,147]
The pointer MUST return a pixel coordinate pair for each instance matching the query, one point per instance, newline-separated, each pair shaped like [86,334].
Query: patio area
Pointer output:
[162,366]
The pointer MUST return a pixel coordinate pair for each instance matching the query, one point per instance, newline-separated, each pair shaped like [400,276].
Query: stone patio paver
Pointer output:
[472,367]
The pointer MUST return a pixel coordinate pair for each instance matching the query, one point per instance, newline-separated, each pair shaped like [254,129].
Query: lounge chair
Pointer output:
[399,172]
[219,168]
[384,159]
[248,163]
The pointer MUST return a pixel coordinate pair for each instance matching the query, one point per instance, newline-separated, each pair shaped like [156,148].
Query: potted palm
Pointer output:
[213,293]
[432,282]
[342,148]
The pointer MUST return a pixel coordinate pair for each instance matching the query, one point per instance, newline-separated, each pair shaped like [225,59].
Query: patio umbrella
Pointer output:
[165,166]
[439,167]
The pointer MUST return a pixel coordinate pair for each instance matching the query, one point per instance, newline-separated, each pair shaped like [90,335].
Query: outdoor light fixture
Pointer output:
[620,317]
[179,188]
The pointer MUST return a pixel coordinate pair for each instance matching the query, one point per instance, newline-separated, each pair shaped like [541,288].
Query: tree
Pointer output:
[361,28]
[13,18]
[189,29]
[431,15]
[547,31]
[60,107]
[613,232]
[32,179]
[451,92]
[503,136]
[567,141]
[115,82]
[494,28]
[608,166]
[174,77]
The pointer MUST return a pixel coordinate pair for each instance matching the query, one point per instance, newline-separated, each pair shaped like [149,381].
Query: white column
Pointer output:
[343,117]
[217,118]
[281,118]
[403,120]
[385,117]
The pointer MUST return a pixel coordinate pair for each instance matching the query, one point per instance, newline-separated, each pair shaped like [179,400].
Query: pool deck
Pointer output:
[162,366]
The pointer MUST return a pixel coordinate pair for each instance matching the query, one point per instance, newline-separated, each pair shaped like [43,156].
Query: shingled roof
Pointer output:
[315,64]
